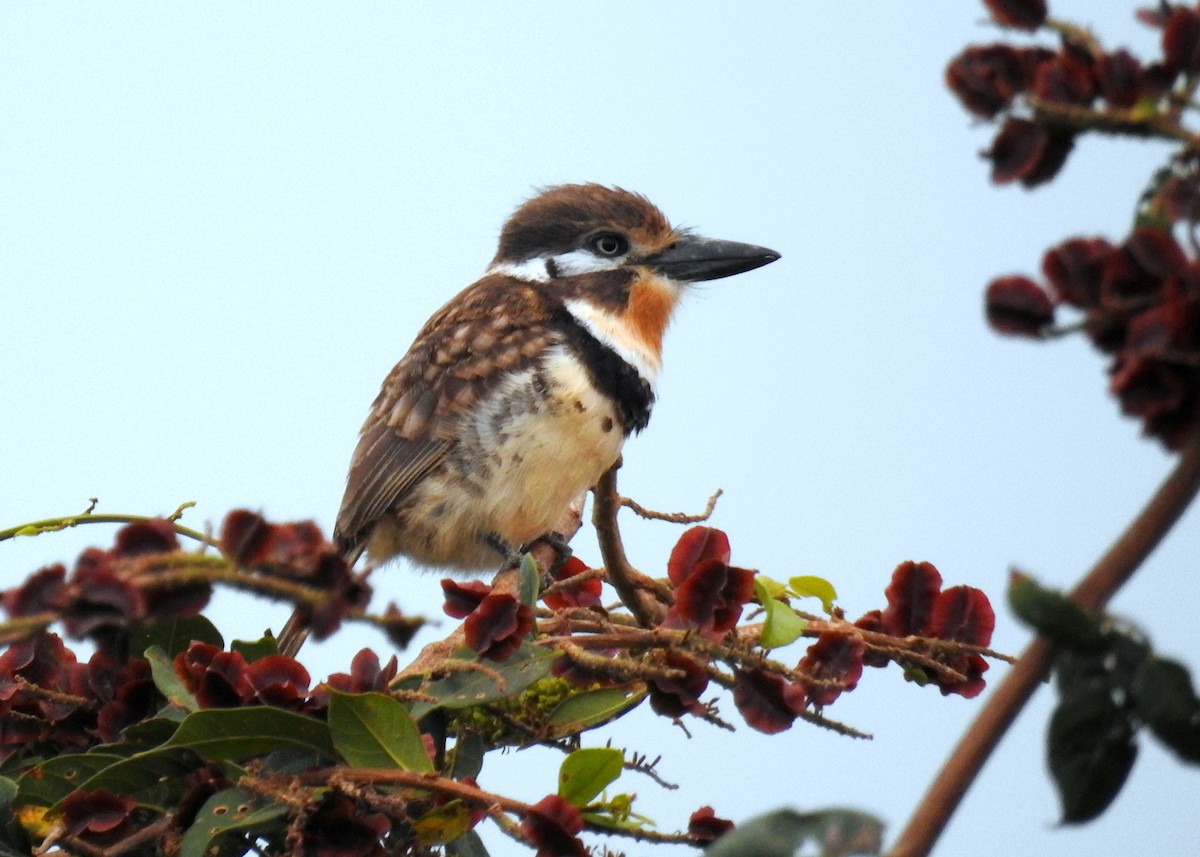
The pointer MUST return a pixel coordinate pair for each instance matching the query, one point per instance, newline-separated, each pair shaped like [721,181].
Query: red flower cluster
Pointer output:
[297,551]
[344,827]
[50,702]
[109,588]
[675,697]
[917,605]
[496,622]
[1035,140]
[1141,304]
[221,679]
[709,592]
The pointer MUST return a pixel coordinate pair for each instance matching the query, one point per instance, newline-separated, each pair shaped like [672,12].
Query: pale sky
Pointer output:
[221,224]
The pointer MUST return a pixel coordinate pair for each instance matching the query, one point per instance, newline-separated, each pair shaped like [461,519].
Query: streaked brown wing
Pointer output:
[384,470]
[491,328]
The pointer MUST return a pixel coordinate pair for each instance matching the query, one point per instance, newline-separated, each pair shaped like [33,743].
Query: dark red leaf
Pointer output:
[1028,152]
[98,599]
[276,680]
[145,537]
[704,825]
[42,591]
[95,812]
[215,677]
[1143,263]
[1181,40]
[973,667]
[833,657]
[298,544]
[461,599]
[400,629]
[1120,78]
[697,546]
[760,697]
[1017,305]
[1016,150]
[245,537]
[552,825]
[962,614]
[674,697]
[497,627]
[1019,14]
[584,594]
[987,78]
[873,621]
[342,828]
[1162,394]
[910,597]
[1075,269]
[1066,80]
[134,699]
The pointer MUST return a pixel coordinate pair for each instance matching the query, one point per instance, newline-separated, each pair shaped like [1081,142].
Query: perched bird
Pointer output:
[518,394]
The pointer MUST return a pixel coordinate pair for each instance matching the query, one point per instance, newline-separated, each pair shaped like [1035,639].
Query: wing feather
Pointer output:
[457,359]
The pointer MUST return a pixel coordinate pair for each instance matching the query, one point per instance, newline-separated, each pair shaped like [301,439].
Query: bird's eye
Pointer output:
[609,244]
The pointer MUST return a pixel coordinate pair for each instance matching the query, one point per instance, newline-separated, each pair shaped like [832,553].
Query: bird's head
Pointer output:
[587,228]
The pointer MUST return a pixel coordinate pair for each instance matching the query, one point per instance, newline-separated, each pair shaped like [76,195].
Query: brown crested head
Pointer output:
[565,217]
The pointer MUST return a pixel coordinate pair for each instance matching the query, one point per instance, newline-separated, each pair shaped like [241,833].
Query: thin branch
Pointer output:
[673,517]
[634,588]
[1092,593]
[49,525]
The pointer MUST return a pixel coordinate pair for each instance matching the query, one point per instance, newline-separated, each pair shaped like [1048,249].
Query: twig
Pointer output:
[1092,593]
[673,517]
[49,525]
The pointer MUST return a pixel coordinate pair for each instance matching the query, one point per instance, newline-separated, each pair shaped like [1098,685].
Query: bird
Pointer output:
[519,393]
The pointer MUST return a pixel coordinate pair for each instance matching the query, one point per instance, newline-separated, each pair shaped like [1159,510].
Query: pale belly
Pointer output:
[520,461]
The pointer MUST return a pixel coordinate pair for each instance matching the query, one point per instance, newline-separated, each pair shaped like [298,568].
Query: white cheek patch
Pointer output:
[569,264]
[531,270]
[583,262]
[613,332]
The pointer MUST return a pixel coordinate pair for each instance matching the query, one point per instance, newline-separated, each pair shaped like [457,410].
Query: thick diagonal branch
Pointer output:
[1093,592]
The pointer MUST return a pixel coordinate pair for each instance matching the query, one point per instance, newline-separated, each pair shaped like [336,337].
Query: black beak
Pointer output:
[693,259]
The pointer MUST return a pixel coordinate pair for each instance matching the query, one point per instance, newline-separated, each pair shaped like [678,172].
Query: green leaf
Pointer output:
[48,782]
[8,791]
[467,755]
[468,687]
[592,708]
[782,625]
[835,832]
[1052,615]
[230,811]
[467,845]
[772,587]
[1090,750]
[587,772]
[143,735]
[255,650]
[372,730]
[776,834]
[174,635]
[162,670]
[1164,697]
[811,586]
[528,581]
[153,779]
[240,733]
